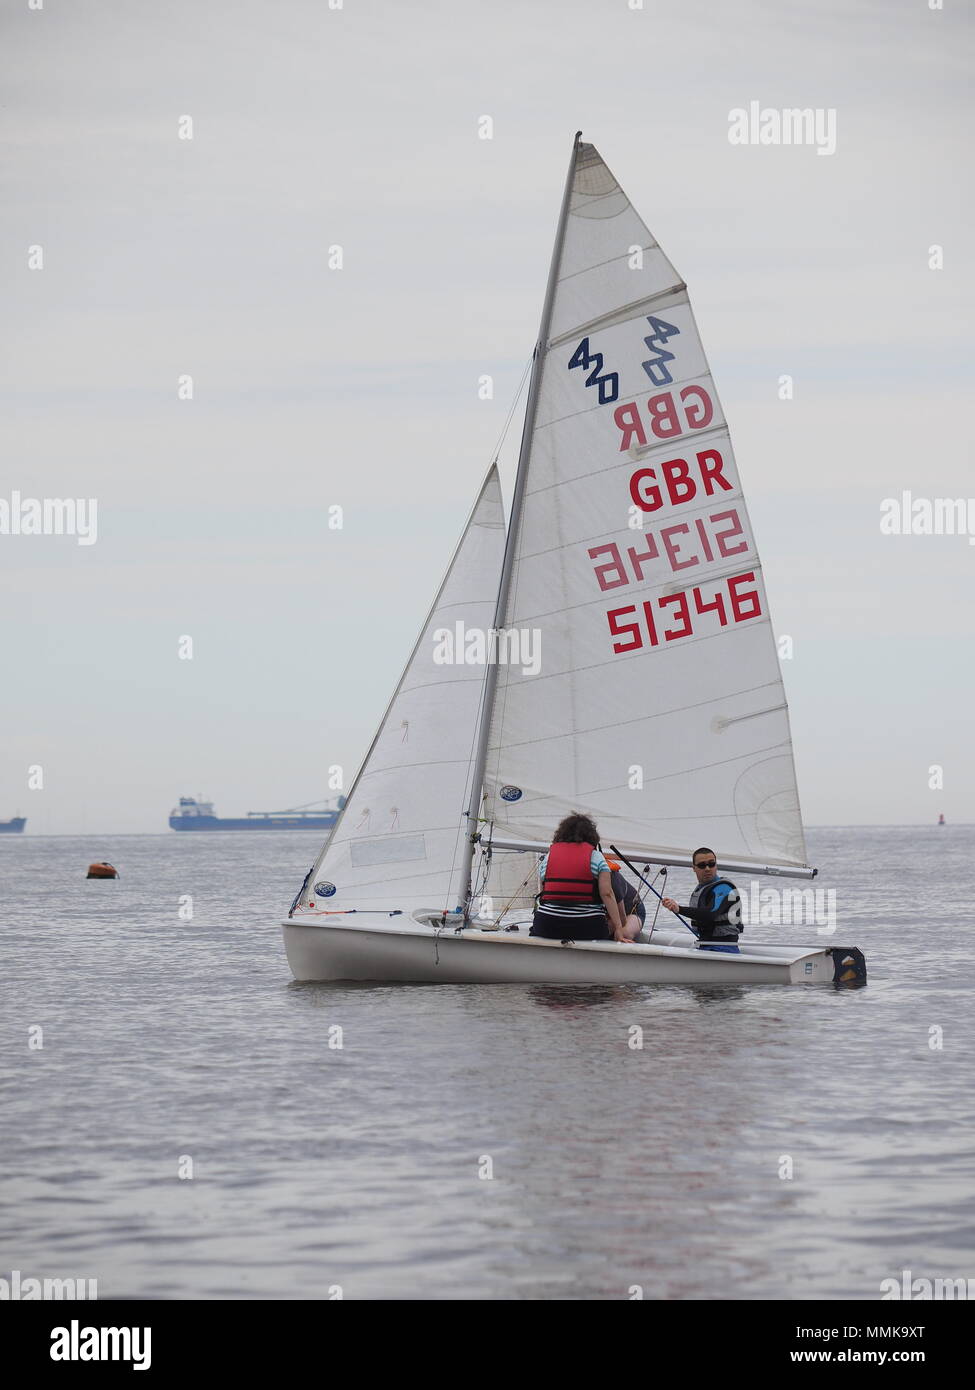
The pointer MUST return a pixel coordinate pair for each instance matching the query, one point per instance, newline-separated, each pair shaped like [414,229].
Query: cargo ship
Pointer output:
[13,827]
[194,814]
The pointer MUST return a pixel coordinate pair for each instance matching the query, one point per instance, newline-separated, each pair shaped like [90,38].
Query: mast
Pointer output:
[521,477]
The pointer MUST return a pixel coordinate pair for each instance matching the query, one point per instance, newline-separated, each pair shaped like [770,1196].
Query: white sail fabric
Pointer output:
[398,841]
[658,707]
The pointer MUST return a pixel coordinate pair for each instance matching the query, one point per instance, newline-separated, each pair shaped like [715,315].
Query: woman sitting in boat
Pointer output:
[577,902]
[631,906]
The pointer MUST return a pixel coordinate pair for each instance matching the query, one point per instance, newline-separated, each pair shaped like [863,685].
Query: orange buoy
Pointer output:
[102,871]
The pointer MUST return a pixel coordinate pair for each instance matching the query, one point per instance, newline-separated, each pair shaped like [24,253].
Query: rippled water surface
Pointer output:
[315,1166]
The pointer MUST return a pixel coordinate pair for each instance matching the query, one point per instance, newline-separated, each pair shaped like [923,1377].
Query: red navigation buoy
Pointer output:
[102,871]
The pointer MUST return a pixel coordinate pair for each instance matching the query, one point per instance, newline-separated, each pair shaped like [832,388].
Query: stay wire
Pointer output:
[477,791]
[511,412]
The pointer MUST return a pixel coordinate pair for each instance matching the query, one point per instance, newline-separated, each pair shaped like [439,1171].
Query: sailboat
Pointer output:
[609,652]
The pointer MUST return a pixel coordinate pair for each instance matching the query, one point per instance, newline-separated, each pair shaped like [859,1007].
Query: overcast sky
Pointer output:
[313,387]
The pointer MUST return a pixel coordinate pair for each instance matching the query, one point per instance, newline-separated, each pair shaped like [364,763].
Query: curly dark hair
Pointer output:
[576,829]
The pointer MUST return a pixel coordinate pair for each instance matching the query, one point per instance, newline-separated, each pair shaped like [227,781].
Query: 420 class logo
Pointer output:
[608,382]
[656,368]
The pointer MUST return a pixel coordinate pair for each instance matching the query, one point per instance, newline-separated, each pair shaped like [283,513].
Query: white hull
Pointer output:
[377,949]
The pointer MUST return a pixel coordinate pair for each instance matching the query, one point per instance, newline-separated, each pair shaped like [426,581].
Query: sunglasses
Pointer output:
[706,864]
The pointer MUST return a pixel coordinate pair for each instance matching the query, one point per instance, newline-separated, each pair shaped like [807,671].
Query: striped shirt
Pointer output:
[597,865]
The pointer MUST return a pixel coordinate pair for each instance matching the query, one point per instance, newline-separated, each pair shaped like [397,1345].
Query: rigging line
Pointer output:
[647,886]
[468,798]
[469,791]
[514,407]
[479,881]
[501,693]
[662,870]
[536,376]
[521,885]
[633,869]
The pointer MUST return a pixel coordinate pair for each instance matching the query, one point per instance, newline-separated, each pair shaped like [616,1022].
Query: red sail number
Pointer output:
[676,610]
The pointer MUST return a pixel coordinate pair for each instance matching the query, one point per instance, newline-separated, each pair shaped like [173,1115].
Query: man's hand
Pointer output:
[670,905]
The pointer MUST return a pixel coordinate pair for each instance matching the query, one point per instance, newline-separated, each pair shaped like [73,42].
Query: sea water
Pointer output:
[181,1119]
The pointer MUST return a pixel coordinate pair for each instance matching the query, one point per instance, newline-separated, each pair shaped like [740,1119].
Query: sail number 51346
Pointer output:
[669,617]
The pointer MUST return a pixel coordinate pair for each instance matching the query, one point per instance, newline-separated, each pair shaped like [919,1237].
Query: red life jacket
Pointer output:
[568,877]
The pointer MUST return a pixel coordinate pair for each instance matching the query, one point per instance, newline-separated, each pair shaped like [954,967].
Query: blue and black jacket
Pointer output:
[715,911]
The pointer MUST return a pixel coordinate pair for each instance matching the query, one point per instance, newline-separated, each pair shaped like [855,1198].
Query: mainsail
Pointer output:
[659,706]
[399,839]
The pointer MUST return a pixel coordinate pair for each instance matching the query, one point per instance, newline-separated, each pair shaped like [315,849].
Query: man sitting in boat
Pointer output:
[630,904]
[715,907]
[576,902]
